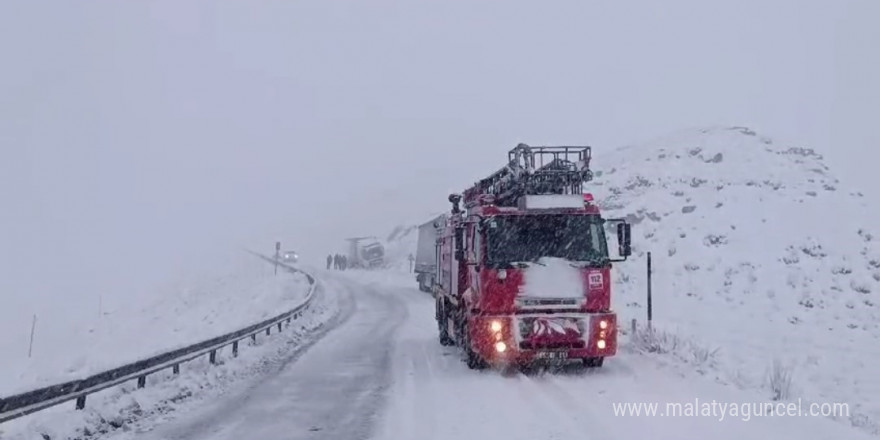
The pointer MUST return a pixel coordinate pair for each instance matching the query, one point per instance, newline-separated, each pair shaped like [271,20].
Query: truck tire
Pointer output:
[473,360]
[595,362]
[445,340]
[443,327]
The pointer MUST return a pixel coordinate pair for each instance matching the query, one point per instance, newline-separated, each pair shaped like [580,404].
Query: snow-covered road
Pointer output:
[334,389]
[381,374]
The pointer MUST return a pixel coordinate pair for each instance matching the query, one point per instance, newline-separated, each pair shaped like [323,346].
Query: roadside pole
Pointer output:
[277,255]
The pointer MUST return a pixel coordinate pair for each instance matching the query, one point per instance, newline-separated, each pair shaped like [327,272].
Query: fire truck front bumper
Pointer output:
[534,338]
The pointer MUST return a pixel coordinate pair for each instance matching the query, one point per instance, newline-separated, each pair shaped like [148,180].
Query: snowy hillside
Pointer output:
[759,253]
[400,243]
[124,328]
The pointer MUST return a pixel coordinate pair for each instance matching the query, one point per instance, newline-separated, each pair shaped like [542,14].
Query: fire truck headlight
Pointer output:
[603,324]
[495,326]
[601,344]
[502,274]
[500,347]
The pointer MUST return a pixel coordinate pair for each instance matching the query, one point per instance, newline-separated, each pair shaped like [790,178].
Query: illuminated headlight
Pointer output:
[500,347]
[502,274]
[495,326]
[603,324]
[601,344]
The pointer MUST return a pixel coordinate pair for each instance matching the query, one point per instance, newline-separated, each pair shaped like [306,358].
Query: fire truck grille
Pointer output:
[550,302]
[525,345]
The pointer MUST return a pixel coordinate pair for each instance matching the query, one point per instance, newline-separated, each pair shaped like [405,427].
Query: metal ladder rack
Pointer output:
[535,171]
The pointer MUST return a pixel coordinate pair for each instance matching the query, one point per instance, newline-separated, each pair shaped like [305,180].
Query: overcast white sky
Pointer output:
[138,136]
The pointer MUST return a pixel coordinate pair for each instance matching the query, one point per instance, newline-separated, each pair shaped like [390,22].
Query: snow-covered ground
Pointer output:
[383,375]
[435,396]
[126,410]
[760,257]
[763,274]
[74,342]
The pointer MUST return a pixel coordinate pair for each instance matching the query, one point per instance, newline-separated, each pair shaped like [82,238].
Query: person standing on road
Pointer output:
[329,261]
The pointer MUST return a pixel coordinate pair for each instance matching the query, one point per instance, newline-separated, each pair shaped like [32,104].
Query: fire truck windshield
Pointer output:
[527,238]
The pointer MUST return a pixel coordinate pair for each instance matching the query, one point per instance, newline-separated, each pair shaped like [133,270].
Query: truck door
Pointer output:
[446,266]
[457,272]
[477,246]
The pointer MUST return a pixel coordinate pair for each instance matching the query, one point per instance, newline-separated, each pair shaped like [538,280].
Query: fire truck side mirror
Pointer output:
[455,199]
[624,241]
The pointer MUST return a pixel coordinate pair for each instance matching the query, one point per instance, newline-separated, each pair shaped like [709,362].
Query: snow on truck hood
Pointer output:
[552,278]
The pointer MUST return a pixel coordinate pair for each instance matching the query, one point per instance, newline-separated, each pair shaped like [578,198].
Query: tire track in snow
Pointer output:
[335,389]
[581,407]
[417,418]
[565,418]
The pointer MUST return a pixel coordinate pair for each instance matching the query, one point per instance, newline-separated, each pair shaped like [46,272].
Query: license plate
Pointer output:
[552,355]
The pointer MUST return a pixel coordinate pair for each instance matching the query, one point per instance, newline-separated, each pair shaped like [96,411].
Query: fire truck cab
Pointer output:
[524,273]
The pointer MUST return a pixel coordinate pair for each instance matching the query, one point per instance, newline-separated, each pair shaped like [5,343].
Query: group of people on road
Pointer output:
[339,262]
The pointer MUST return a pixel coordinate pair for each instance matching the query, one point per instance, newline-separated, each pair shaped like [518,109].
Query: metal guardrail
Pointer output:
[19,405]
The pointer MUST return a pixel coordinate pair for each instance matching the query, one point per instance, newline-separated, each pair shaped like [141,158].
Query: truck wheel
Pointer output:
[445,340]
[474,361]
[594,362]
[443,329]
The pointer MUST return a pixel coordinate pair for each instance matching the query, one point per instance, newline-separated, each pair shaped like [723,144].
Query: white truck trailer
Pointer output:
[427,253]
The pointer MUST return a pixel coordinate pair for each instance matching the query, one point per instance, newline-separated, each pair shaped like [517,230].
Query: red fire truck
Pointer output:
[523,273]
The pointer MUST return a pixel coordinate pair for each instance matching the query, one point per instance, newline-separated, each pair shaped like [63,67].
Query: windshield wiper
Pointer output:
[597,261]
[524,264]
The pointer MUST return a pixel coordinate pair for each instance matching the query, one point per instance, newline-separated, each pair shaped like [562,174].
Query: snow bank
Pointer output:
[125,412]
[552,278]
[759,254]
[124,327]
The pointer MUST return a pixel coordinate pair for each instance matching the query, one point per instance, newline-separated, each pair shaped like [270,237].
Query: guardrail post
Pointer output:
[288,320]
[268,330]
[212,357]
[175,369]
[142,381]
[279,326]
[235,349]
[254,338]
[81,402]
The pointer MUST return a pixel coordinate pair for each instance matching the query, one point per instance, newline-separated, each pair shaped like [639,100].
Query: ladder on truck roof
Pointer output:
[535,171]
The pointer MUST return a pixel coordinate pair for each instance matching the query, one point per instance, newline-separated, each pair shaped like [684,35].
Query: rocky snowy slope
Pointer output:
[763,263]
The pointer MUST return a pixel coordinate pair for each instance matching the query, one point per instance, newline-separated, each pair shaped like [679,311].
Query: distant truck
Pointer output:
[365,253]
[427,252]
